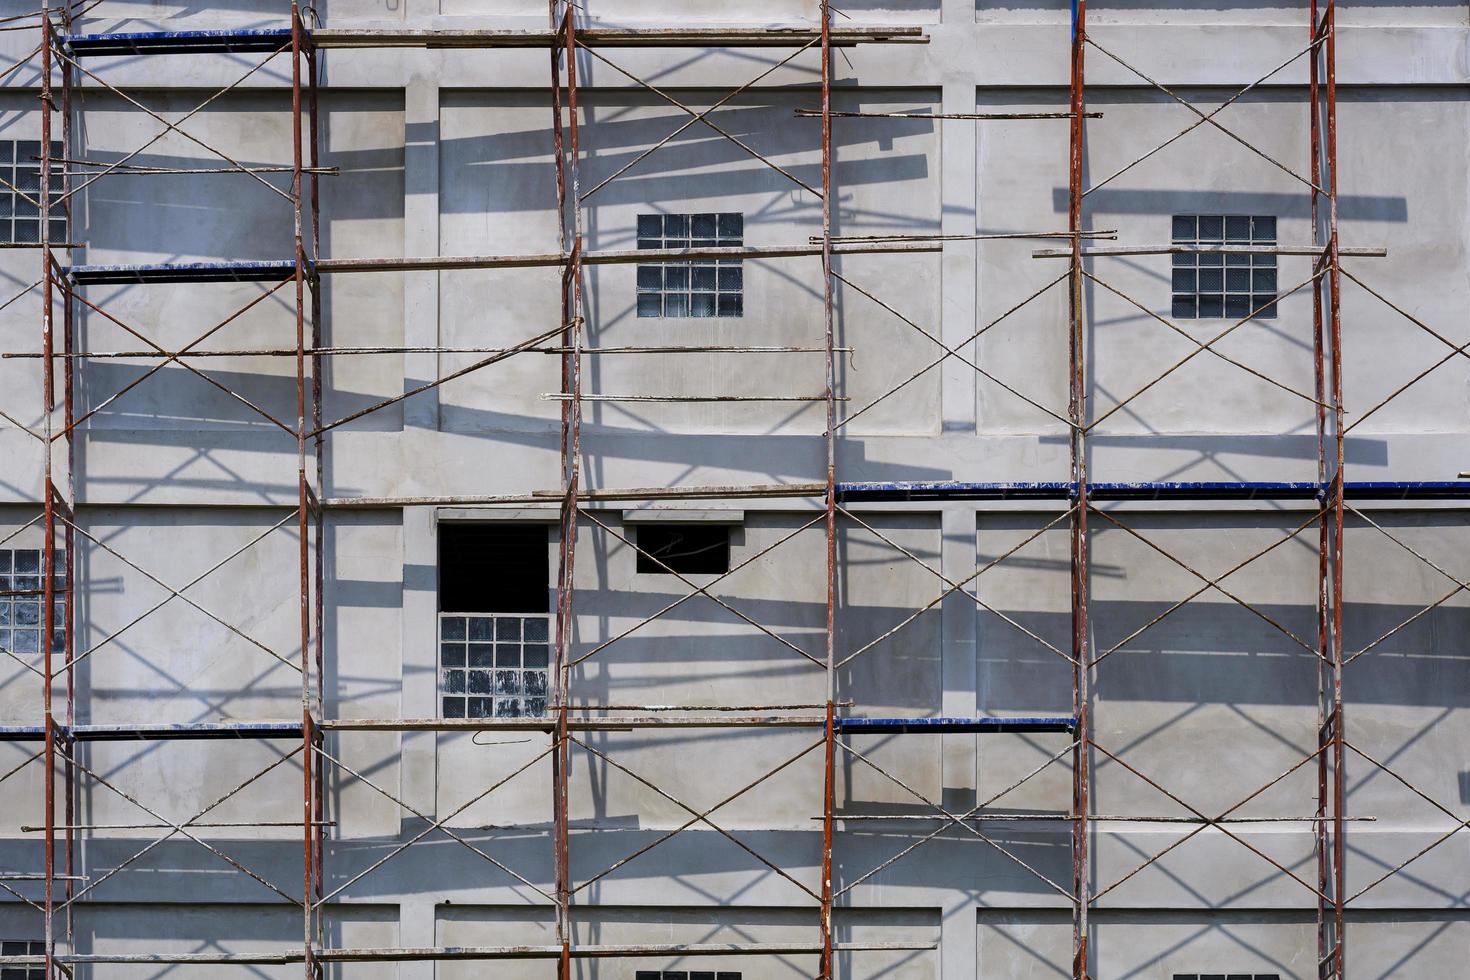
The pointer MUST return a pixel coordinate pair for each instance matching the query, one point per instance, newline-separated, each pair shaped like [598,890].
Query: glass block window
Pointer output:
[493,665]
[23,947]
[685,975]
[21,600]
[685,289]
[1218,286]
[20,167]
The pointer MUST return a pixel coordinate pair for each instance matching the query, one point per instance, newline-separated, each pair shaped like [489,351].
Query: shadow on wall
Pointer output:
[1351,207]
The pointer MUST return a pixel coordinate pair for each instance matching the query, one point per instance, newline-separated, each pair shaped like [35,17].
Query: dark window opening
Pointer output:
[689,549]
[31,947]
[494,621]
[20,194]
[703,288]
[682,975]
[493,568]
[1215,285]
[1227,976]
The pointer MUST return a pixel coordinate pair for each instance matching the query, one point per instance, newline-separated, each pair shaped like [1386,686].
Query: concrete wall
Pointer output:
[445,152]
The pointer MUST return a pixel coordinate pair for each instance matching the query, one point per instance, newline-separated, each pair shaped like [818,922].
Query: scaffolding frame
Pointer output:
[834,503]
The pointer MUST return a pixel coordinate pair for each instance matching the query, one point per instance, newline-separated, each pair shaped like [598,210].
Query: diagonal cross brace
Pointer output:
[704,591]
[1209,583]
[179,594]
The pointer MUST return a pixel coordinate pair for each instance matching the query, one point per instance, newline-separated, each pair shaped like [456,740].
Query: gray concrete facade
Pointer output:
[448,152]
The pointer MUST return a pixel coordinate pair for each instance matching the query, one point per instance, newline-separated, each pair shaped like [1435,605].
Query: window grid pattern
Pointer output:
[33,947]
[1210,286]
[20,613]
[20,166]
[691,289]
[493,665]
[685,975]
[1227,976]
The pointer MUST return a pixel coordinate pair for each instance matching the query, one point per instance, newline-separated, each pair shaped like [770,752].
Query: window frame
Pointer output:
[1220,286]
[21,170]
[29,947]
[698,289]
[507,685]
[15,608]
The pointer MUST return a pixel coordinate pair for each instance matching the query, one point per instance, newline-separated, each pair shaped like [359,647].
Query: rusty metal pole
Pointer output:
[303,514]
[1326,939]
[1077,413]
[318,366]
[48,492]
[1334,282]
[568,197]
[68,401]
[828,774]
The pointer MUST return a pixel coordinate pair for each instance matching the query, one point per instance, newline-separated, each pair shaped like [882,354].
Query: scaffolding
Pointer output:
[1080,503]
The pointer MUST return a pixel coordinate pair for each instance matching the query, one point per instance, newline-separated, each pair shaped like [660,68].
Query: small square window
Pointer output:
[701,288]
[32,947]
[22,602]
[688,549]
[1212,285]
[20,193]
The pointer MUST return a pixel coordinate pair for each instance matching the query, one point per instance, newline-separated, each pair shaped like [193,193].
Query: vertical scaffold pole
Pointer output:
[1322,839]
[318,365]
[69,568]
[828,774]
[1326,131]
[303,515]
[1077,414]
[568,194]
[48,492]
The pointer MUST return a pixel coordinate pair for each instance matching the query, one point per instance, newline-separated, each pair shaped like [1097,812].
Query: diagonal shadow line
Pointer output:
[1216,824]
[123,161]
[172,357]
[179,594]
[1207,821]
[1193,340]
[1211,583]
[966,581]
[430,829]
[4,885]
[1210,118]
[953,820]
[704,591]
[5,415]
[168,836]
[698,118]
[179,829]
[500,355]
[3,182]
[952,352]
[953,587]
[1460,586]
[1206,346]
[1456,350]
[675,102]
[700,818]
[184,364]
[438,825]
[685,598]
[1460,824]
[172,127]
